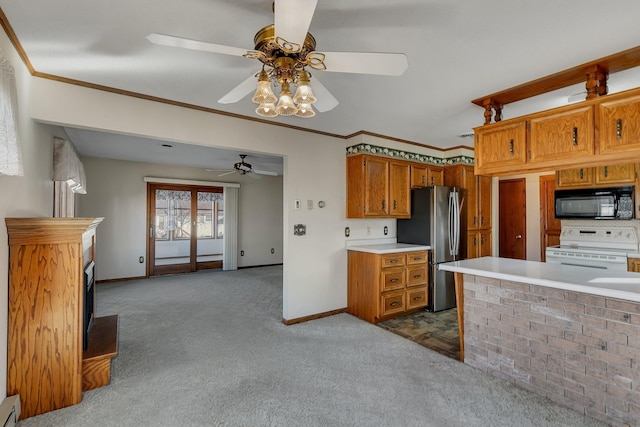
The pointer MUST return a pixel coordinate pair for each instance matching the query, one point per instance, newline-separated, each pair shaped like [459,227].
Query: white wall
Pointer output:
[116,190]
[314,265]
[28,196]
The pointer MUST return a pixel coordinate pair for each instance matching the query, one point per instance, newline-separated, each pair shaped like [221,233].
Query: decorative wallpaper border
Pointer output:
[405,155]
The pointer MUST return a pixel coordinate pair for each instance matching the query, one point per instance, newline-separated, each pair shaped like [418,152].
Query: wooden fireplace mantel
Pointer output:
[594,73]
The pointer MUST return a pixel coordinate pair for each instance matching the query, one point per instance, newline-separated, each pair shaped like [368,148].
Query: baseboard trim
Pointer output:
[123,279]
[313,316]
[257,266]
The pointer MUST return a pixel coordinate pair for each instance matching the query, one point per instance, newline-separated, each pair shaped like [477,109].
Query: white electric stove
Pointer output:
[604,247]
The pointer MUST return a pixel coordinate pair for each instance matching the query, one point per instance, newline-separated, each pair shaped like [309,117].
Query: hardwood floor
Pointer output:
[436,331]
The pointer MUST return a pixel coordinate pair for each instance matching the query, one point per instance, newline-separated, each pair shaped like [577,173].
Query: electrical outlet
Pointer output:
[141,259]
[386,230]
[296,204]
[241,253]
[347,231]
[273,251]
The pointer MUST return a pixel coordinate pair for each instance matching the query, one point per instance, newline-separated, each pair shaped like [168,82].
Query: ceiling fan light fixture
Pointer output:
[304,94]
[305,111]
[285,106]
[264,94]
[267,109]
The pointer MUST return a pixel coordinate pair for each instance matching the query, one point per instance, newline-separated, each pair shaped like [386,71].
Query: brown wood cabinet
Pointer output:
[549,225]
[620,124]
[603,176]
[46,363]
[382,286]
[633,265]
[602,131]
[478,204]
[424,176]
[378,187]
[500,147]
[561,135]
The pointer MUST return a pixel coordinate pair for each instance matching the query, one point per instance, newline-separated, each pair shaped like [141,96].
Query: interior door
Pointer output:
[513,218]
[549,225]
[185,228]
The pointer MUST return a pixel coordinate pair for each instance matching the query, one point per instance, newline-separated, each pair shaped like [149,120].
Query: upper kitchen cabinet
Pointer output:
[500,147]
[619,124]
[378,187]
[561,136]
[601,176]
[425,176]
[602,131]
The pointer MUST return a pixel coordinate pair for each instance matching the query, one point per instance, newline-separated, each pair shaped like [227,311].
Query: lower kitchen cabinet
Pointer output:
[383,286]
[633,264]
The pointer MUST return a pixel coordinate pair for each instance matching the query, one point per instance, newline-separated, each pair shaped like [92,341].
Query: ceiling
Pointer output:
[458,50]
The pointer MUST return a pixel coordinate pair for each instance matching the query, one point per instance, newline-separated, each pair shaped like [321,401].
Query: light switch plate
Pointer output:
[309,204]
[296,204]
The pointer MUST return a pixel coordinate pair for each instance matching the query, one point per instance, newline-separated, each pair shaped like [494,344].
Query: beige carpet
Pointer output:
[209,349]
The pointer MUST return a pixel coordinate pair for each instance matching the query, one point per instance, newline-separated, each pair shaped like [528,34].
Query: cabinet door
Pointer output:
[562,137]
[399,190]
[376,187]
[484,236]
[416,297]
[633,264]
[500,147]
[616,174]
[619,125]
[484,201]
[418,176]
[569,178]
[435,175]
[473,244]
[470,183]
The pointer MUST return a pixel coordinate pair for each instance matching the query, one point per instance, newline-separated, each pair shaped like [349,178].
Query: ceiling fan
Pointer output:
[243,168]
[285,50]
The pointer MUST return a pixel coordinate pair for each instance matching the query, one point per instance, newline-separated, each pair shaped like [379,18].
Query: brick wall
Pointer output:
[580,350]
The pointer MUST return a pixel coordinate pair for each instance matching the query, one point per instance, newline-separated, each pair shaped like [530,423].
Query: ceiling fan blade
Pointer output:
[265,173]
[254,176]
[240,91]
[384,64]
[292,19]
[325,101]
[173,41]
[228,173]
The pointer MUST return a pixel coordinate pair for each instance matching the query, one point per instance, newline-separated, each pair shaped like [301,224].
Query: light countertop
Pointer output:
[388,248]
[607,283]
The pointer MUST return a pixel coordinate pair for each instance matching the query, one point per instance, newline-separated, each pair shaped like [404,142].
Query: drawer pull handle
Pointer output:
[581,173]
[394,280]
[606,171]
[395,204]
[575,136]
[393,261]
[393,304]
[619,129]
[417,258]
[417,276]
[417,298]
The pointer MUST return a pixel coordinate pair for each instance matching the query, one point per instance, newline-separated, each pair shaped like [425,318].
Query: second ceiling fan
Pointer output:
[285,50]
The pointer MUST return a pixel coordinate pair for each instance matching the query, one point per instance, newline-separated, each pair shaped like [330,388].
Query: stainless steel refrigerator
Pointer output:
[437,217]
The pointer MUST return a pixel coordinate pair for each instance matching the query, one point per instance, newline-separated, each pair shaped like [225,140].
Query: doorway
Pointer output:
[512,196]
[186,228]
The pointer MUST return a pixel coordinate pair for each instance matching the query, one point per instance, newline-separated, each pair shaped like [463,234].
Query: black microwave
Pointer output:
[595,203]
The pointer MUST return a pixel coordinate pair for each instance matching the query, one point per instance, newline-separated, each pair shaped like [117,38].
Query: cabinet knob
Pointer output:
[433,180]
[424,179]
[394,280]
[417,276]
[581,173]
[393,304]
[395,204]
[511,151]
[382,203]
[575,136]
[393,261]
[606,171]
[417,298]
[519,236]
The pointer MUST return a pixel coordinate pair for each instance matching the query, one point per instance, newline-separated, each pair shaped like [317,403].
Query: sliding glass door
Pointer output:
[186,228]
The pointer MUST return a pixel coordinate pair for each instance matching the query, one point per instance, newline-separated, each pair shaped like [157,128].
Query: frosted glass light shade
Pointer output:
[285,106]
[267,109]
[305,111]
[264,94]
[304,95]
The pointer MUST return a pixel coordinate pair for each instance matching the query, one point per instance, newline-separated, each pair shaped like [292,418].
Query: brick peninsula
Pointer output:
[569,333]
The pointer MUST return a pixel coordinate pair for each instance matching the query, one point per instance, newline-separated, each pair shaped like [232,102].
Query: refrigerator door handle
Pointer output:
[457,223]
[452,232]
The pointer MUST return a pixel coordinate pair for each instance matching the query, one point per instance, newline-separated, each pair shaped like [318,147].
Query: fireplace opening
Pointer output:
[89,293]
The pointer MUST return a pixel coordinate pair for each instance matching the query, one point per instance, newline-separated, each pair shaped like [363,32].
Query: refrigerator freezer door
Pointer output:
[442,293]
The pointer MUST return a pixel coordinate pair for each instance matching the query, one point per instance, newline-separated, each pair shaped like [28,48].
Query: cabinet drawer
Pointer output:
[392,260]
[418,257]
[393,278]
[416,297]
[392,302]
[417,275]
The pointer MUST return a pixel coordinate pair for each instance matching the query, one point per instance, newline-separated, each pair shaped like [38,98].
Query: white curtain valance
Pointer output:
[10,148]
[67,166]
